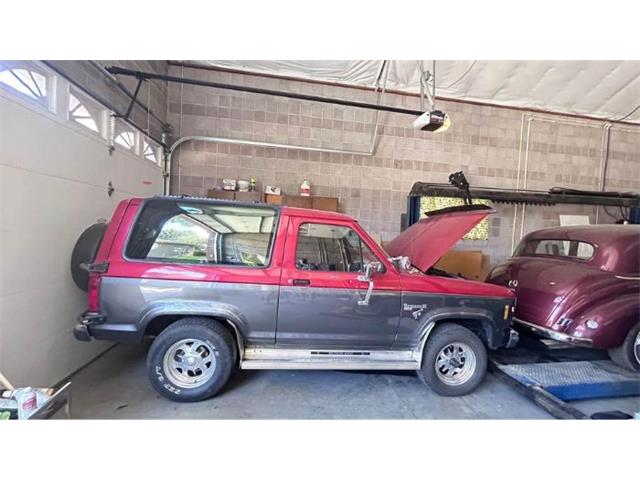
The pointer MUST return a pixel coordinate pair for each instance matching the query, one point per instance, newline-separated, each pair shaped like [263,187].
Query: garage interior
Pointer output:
[77,137]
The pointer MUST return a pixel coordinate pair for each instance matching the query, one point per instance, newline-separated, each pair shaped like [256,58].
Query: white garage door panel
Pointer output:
[43,150]
[53,179]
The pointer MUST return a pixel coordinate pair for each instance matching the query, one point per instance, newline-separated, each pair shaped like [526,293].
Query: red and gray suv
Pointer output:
[222,285]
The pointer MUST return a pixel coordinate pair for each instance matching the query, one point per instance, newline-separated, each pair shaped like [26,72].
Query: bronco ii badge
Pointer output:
[410,307]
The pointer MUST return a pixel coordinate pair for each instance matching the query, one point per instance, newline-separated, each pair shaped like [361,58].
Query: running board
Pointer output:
[296,359]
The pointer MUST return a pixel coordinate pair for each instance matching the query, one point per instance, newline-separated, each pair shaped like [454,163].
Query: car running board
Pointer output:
[298,359]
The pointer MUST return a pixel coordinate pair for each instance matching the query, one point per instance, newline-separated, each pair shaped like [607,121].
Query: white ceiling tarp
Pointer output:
[607,89]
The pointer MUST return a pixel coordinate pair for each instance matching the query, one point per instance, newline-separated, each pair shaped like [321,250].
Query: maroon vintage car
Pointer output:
[580,285]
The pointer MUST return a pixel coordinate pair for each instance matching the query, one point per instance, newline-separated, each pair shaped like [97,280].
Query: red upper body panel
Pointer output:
[281,269]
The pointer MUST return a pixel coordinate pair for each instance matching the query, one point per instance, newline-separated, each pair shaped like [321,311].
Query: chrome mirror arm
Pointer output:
[367,276]
[367,297]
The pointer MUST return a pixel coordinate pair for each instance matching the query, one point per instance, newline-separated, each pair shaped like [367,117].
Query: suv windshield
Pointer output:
[199,232]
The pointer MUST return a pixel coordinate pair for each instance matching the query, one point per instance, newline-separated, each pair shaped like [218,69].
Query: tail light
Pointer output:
[93,292]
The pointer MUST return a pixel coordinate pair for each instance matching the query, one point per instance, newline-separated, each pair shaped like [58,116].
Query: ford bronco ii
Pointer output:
[223,284]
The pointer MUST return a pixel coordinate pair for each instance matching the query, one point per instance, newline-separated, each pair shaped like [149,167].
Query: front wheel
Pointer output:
[454,361]
[191,360]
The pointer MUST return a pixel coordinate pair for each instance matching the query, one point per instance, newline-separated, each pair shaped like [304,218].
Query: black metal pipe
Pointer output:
[124,90]
[101,100]
[275,93]
[133,99]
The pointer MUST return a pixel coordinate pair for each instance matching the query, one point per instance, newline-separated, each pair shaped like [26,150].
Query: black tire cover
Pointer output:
[85,251]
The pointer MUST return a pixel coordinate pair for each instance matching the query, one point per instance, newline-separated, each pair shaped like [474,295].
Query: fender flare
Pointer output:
[452,315]
[197,308]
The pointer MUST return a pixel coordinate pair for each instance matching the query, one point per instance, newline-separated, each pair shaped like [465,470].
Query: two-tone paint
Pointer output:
[279,306]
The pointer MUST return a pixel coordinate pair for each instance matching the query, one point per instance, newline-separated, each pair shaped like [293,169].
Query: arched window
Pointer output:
[25,81]
[150,153]
[126,139]
[79,113]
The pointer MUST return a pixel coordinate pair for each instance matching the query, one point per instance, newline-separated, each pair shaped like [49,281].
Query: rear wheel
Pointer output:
[191,360]
[627,355]
[454,361]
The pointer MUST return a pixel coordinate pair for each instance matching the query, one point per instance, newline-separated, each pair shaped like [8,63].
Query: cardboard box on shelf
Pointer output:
[298,201]
[249,196]
[325,203]
[232,195]
[273,199]
[221,194]
[471,264]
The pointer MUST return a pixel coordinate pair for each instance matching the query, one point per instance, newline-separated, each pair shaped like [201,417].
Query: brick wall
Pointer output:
[484,142]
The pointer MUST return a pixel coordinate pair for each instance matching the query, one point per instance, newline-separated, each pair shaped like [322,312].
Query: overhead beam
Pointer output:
[262,91]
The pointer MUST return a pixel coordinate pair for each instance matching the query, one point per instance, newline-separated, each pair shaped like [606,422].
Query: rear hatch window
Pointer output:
[203,233]
[557,248]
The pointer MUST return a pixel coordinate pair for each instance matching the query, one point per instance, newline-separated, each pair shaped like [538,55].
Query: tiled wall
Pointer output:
[152,93]
[484,142]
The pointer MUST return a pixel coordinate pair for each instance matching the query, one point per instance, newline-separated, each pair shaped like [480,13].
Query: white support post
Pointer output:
[137,149]
[58,96]
[104,126]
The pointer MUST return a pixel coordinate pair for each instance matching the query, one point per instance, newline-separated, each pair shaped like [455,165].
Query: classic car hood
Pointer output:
[426,241]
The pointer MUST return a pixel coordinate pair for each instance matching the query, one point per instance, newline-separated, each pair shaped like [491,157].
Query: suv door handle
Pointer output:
[301,282]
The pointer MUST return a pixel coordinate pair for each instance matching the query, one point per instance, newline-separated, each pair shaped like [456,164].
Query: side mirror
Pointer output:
[369,269]
[401,263]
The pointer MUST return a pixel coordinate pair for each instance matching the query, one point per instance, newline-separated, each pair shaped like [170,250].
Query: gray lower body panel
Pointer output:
[331,317]
[130,305]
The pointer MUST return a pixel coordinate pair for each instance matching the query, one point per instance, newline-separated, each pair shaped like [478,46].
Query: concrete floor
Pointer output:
[115,386]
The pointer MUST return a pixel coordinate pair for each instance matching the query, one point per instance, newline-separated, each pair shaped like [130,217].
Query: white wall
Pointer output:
[53,183]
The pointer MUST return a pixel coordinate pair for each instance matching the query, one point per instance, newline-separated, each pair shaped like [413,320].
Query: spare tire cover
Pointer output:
[85,251]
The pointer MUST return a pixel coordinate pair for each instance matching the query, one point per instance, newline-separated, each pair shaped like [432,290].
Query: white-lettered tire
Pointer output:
[454,361]
[191,360]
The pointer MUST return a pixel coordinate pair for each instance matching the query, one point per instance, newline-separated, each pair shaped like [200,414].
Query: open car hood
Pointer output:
[426,241]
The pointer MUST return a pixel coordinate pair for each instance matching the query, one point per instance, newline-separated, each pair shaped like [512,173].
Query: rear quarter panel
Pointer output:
[134,292]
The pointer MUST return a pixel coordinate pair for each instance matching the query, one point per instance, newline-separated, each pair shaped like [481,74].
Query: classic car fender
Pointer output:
[594,290]
[607,323]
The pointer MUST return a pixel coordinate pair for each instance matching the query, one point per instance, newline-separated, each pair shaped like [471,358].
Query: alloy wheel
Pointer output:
[455,364]
[189,363]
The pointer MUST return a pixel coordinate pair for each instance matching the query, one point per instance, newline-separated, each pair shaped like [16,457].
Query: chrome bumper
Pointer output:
[553,335]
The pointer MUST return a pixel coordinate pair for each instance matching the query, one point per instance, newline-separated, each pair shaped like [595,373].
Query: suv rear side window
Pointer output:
[331,248]
[557,248]
[201,233]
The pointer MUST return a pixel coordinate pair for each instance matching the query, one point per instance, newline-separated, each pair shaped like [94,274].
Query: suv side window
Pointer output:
[202,233]
[331,248]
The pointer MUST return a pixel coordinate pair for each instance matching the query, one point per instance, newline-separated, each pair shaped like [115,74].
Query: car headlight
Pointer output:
[591,324]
